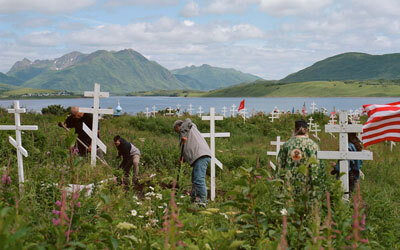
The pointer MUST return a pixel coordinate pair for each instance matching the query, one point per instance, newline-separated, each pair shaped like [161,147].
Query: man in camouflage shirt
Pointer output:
[298,157]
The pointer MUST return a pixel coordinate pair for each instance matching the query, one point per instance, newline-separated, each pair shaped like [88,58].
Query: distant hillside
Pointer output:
[118,72]
[350,66]
[370,88]
[206,77]
[8,79]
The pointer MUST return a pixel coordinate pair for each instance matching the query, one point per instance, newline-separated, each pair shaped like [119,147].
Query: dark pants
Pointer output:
[82,150]
[126,166]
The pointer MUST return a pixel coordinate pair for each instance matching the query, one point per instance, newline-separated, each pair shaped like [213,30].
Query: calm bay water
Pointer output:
[133,105]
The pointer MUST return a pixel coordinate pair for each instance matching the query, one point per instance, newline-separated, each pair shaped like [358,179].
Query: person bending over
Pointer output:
[197,153]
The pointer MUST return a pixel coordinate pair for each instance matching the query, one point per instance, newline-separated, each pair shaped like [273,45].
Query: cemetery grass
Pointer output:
[247,213]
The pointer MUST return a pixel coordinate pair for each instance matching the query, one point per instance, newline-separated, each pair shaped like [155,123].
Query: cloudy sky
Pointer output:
[269,38]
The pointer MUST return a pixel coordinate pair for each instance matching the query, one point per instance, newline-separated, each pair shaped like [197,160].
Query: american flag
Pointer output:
[383,123]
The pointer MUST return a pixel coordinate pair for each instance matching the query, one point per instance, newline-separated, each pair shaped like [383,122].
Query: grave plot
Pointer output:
[17,142]
[212,135]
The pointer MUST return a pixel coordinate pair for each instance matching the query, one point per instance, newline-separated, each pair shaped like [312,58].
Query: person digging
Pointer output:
[196,152]
[131,157]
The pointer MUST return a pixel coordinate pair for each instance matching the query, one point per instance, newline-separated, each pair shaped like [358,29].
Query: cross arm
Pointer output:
[28,127]
[20,148]
[207,135]
[218,163]
[101,94]
[344,128]
[8,127]
[217,118]
[19,111]
[90,134]
[345,155]
[100,111]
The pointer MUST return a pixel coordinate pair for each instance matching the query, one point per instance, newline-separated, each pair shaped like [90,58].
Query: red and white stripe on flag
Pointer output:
[383,123]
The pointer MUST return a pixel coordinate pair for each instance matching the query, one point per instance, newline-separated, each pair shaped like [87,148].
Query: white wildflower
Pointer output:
[160,207]
[147,198]
[149,194]
[225,215]
[133,212]
[284,211]
[138,203]
[148,213]
[152,175]
[182,196]
[154,221]
[151,188]
[141,216]
[135,197]
[159,196]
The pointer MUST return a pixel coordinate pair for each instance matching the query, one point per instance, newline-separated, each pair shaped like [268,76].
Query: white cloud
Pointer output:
[381,7]
[188,23]
[292,7]
[164,30]
[43,6]
[117,3]
[229,6]
[191,9]
[42,38]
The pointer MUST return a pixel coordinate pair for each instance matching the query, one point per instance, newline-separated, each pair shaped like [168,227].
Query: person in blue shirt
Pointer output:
[354,165]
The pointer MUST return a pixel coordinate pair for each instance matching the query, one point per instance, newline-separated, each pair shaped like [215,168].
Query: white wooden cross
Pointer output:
[243,113]
[233,110]
[343,128]
[310,124]
[253,112]
[212,135]
[200,112]
[392,144]
[313,107]
[178,110]
[274,115]
[147,112]
[278,143]
[18,142]
[154,111]
[324,110]
[96,111]
[169,111]
[316,130]
[190,109]
[224,110]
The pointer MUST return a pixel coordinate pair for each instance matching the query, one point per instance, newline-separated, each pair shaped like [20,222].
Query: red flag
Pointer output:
[241,106]
[304,109]
[383,123]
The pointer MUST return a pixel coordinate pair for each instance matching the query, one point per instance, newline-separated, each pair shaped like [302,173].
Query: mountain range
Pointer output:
[118,72]
[350,66]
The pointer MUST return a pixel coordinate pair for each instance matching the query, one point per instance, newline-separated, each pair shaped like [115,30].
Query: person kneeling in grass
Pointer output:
[197,153]
[131,156]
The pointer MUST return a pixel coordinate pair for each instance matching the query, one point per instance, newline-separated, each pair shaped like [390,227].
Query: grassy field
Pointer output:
[171,93]
[245,215]
[310,89]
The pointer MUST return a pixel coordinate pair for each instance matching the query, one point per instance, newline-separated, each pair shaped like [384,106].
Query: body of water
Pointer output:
[134,105]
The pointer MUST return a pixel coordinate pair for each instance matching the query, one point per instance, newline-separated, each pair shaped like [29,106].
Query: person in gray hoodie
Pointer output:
[197,153]
[131,156]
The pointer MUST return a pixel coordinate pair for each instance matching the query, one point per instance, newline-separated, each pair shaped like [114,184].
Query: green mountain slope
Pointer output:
[212,77]
[311,89]
[118,72]
[350,66]
[8,79]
